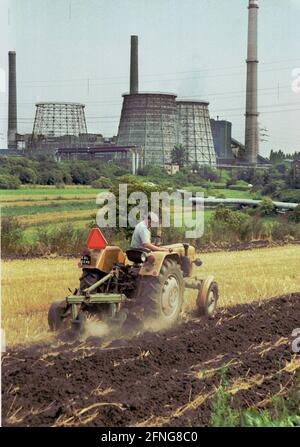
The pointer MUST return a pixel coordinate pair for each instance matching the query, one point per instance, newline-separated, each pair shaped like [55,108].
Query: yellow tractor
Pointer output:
[119,288]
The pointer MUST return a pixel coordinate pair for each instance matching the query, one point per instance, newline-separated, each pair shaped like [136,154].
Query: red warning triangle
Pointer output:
[96,240]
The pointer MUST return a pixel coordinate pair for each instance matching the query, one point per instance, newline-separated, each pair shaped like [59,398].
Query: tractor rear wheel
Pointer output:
[55,315]
[162,296]
[88,278]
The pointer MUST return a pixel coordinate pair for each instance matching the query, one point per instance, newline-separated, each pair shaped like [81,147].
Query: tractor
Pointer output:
[121,288]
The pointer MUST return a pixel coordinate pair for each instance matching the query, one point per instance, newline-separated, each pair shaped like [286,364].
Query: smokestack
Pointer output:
[12,101]
[251,128]
[134,66]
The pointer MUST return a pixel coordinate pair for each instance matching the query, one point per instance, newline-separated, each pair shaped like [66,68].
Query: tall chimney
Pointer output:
[12,101]
[251,128]
[134,65]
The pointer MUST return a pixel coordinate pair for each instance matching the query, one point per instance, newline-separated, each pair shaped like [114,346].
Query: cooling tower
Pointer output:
[12,101]
[148,120]
[194,132]
[59,119]
[251,127]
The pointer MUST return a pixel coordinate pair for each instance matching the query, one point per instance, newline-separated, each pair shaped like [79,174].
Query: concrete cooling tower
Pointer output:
[194,132]
[148,120]
[156,122]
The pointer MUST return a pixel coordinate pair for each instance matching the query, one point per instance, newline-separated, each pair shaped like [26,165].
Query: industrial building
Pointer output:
[12,101]
[193,132]
[58,124]
[151,122]
[156,122]
[148,120]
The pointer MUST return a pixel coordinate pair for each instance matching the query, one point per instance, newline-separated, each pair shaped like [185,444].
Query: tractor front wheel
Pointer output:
[207,299]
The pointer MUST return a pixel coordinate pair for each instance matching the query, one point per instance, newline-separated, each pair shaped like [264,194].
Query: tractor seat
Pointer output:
[143,249]
[134,254]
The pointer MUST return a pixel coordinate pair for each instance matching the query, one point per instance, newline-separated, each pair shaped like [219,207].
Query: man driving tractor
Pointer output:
[141,237]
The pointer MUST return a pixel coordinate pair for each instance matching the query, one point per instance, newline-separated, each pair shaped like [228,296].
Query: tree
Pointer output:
[9,182]
[179,156]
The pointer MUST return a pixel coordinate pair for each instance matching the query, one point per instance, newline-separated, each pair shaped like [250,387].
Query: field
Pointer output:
[202,372]
[48,207]
[243,277]
[238,369]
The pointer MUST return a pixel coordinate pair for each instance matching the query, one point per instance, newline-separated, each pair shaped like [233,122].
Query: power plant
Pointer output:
[151,124]
[58,122]
[251,127]
[156,122]
[194,132]
[12,101]
[148,121]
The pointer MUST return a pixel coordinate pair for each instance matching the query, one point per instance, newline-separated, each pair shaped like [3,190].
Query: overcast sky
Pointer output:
[78,50]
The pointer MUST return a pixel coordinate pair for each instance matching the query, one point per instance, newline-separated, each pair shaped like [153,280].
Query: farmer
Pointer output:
[141,237]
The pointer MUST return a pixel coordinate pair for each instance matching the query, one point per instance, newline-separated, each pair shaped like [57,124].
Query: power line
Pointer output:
[230,67]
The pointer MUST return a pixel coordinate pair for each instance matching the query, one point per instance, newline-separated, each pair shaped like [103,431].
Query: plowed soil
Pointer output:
[163,379]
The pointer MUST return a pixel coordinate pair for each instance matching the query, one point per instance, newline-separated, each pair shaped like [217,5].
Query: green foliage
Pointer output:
[179,156]
[11,236]
[279,156]
[274,188]
[254,418]
[282,231]
[102,183]
[266,207]
[222,415]
[283,412]
[233,219]
[290,195]
[64,239]
[133,185]
[173,235]
[8,181]
[44,170]
[295,215]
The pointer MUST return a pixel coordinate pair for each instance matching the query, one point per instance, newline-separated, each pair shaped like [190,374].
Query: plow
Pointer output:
[129,288]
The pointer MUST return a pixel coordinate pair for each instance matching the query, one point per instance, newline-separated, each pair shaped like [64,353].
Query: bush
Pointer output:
[295,215]
[234,219]
[226,226]
[266,207]
[27,175]
[290,195]
[11,236]
[256,229]
[62,240]
[173,235]
[102,182]
[282,231]
[8,181]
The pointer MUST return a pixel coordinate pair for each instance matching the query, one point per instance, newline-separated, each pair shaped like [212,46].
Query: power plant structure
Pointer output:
[151,124]
[148,121]
[194,132]
[58,122]
[156,122]
[251,125]
[12,101]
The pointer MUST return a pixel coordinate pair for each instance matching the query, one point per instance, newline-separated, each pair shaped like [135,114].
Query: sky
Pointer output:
[78,50]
